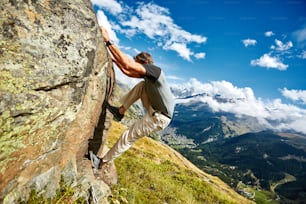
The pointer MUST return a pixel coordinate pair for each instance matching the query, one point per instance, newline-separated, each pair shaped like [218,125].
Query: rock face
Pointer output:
[55,76]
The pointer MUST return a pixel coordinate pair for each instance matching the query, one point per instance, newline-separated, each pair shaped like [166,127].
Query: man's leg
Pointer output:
[142,127]
[131,97]
[137,92]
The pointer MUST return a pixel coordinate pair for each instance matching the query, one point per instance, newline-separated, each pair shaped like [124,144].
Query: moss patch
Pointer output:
[65,194]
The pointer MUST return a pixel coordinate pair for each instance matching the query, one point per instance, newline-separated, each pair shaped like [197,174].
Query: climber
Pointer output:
[155,96]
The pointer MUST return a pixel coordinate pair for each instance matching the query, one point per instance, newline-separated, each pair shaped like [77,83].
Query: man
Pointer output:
[154,93]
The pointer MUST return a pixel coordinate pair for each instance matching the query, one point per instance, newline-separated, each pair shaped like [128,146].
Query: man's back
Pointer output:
[158,90]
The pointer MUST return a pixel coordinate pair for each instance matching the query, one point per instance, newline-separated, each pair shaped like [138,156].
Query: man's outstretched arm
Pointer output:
[125,64]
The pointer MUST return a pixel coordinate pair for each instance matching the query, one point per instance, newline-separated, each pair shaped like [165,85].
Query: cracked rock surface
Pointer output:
[54,74]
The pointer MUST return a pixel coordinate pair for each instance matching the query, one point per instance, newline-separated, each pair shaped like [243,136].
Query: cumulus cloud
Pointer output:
[156,23]
[278,52]
[269,61]
[269,34]
[223,88]
[184,52]
[112,6]
[248,42]
[242,101]
[295,95]
[280,46]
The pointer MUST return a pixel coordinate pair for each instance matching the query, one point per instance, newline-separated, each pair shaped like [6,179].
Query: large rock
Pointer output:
[54,78]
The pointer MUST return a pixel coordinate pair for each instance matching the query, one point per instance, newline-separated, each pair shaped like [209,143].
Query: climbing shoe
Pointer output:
[95,160]
[115,111]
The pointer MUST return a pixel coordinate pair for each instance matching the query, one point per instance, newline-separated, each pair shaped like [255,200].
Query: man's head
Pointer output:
[144,58]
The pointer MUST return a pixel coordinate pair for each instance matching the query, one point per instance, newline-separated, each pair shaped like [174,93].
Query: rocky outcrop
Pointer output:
[55,76]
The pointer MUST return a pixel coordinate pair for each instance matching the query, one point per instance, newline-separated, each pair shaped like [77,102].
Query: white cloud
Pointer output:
[269,34]
[155,22]
[248,42]
[172,77]
[280,46]
[181,48]
[200,55]
[280,51]
[275,57]
[295,95]
[242,101]
[112,6]
[300,35]
[103,21]
[269,62]
[223,88]
[302,55]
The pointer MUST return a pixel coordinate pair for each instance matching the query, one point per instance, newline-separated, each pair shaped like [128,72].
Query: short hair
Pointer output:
[143,57]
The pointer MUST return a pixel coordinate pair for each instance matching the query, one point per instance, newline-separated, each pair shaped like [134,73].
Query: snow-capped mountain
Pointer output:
[241,105]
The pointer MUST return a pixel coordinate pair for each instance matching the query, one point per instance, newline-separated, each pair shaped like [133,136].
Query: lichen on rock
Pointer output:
[54,78]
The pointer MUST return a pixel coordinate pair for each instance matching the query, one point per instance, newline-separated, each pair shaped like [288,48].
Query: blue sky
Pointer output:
[239,49]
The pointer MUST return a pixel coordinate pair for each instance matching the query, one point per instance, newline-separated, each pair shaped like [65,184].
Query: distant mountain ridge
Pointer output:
[241,111]
[189,95]
[210,125]
[238,147]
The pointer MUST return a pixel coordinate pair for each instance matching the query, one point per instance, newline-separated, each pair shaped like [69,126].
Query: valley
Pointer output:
[265,166]
[288,178]
[261,164]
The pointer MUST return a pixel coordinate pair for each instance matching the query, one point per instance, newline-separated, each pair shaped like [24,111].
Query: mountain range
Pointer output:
[243,110]
[223,136]
[249,154]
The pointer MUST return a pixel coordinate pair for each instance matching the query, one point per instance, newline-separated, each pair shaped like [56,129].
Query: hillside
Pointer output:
[270,164]
[151,172]
[261,160]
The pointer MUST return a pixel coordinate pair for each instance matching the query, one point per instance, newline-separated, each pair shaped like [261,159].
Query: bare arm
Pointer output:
[129,72]
[125,64]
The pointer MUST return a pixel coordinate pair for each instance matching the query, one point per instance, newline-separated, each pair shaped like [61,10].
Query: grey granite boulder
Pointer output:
[55,75]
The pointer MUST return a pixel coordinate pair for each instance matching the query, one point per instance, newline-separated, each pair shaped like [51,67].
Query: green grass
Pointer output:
[158,183]
[150,172]
[264,197]
[64,195]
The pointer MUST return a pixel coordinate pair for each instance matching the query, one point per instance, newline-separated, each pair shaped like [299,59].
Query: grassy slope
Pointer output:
[151,172]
